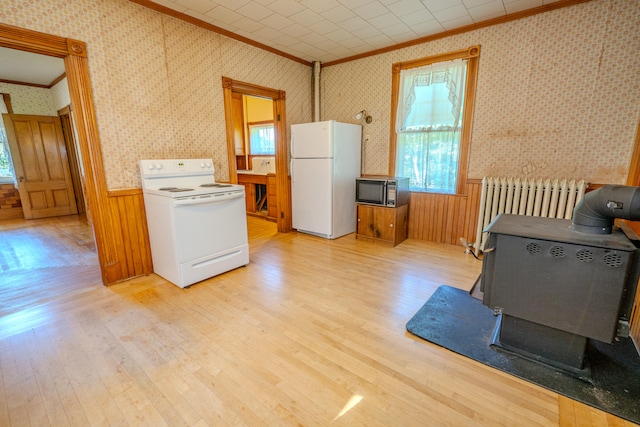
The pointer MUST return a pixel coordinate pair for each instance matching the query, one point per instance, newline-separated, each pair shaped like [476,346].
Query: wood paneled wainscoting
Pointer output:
[444,218]
[129,233]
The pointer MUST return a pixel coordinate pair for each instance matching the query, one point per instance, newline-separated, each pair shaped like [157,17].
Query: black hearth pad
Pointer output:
[453,319]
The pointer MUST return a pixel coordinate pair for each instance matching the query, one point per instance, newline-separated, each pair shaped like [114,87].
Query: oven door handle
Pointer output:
[213,198]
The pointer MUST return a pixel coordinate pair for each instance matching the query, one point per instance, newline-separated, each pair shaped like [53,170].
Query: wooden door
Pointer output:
[41,165]
[365,221]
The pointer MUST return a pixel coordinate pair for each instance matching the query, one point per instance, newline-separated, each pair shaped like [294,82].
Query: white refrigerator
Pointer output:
[325,162]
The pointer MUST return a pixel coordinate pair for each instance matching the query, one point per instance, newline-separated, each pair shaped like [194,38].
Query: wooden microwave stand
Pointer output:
[382,224]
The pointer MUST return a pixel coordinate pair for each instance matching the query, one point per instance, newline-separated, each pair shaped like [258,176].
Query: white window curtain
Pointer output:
[429,124]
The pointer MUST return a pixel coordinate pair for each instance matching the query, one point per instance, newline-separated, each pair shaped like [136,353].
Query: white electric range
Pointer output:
[197,227]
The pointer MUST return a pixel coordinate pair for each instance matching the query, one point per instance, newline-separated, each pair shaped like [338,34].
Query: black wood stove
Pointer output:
[554,284]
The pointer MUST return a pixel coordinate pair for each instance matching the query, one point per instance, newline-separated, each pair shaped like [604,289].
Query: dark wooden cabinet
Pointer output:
[382,224]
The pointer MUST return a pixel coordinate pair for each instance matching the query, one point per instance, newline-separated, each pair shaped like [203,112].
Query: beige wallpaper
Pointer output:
[29,100]
[157,80]
[557,94]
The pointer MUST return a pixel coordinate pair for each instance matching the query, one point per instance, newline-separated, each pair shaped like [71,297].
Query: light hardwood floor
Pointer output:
[310,333]
[44,259]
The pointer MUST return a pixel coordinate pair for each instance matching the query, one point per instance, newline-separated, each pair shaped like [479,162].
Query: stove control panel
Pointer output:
[176,167]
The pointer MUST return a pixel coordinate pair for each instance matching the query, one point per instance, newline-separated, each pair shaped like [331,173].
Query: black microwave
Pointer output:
[389,191]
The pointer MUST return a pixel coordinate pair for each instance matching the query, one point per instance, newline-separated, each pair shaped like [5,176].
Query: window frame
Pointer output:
[472,54]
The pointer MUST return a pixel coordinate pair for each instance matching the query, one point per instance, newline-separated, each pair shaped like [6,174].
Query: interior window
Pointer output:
[261,139]
[6,171]
[431,120]
[6,168]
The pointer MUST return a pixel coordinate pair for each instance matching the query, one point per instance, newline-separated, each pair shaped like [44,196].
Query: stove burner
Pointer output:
[176,189]
[167,188]
[215,184]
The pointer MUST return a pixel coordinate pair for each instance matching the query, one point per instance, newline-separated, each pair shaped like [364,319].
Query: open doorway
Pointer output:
[254,137]
[74,54]
[233,88]
[51,254]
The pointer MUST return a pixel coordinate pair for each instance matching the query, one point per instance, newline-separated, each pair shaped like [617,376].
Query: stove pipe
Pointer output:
[596,212]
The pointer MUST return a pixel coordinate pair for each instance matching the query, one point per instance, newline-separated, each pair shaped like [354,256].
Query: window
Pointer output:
[431,120]
[5,157]
[6,168]
[262,139]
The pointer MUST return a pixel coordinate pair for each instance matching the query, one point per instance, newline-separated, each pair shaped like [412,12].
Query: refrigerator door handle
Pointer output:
[293,135]
[291,171]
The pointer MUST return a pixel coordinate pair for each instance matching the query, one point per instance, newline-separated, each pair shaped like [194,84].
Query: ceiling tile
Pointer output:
[370,10]
[353,4]
[301,47]
[475,3]
[364,25]
[324,27]
[228,27]
[338,14]
[222,14]
[457,22]
[320,6]
[352,43]
[380,41]
[398,29]
[328,45]
[171,5]
[295,30]
[285,39]
[339,35]
[306,17]
[249,25]
[385,20]
[429,28]
[417,18]
[403,37]
[520,5]
[450,13]
[200,6]
[353,24]
[312,38]
[255,11]
[367,32]
[277,22]
[198,15]
[489,10]
[438,5]
[233,4]
[286,7]
[267,34]
[404,7]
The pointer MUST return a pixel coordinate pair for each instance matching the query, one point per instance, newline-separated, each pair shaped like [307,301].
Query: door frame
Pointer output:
[74,54]
[72,156]
[283,189]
